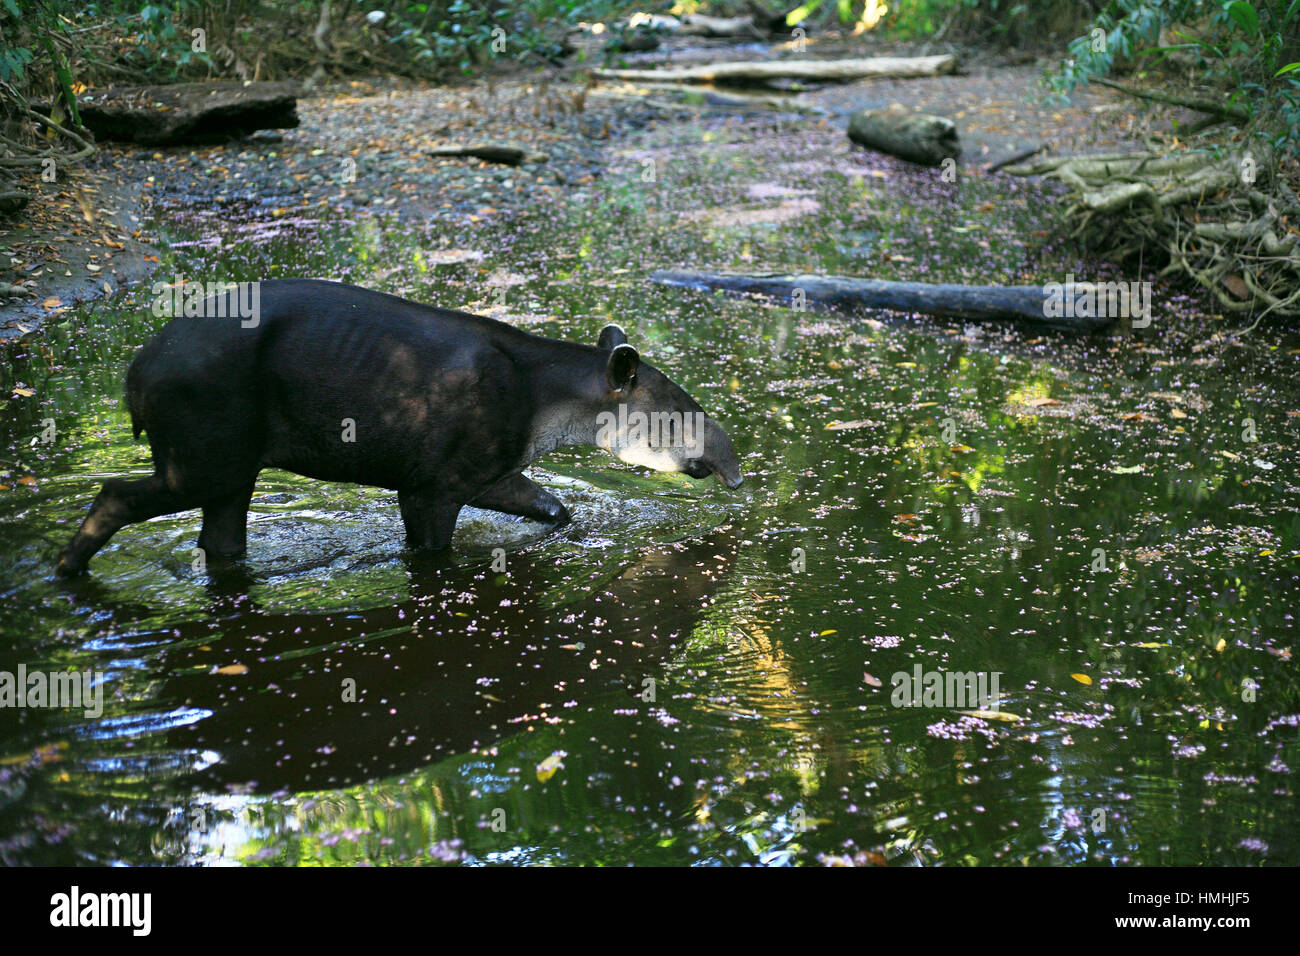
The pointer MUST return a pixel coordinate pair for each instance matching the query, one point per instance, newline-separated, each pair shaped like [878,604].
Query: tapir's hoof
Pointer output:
[69,567]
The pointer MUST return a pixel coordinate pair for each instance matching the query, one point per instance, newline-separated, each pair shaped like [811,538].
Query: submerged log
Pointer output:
[189,112]
[1038,305]
[916,137]
[812,70]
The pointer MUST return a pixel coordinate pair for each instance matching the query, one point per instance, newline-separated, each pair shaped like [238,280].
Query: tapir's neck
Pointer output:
[566,380]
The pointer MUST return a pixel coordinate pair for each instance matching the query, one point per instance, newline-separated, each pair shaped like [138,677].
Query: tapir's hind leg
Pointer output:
[225,525]
[119,503]
[517,495]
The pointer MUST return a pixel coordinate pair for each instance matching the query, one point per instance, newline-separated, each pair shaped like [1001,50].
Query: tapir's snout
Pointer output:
[732,481]
[720,456]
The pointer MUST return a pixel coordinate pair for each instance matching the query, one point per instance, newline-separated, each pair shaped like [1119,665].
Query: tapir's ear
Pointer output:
[611,336]
[621,368]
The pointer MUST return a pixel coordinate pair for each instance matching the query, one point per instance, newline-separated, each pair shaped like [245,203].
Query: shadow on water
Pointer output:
[331,700]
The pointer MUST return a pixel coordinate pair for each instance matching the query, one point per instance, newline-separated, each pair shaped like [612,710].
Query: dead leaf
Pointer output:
[550,766]
[1001,715]
[1236,285]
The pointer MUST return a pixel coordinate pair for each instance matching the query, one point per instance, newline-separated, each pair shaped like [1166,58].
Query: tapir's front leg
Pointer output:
[429,520]
[517,495]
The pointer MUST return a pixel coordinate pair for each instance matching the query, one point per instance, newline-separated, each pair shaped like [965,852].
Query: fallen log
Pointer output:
[812,70]
[916,137]
[1027,303]
[697,24]
[492,152]
[709,98]
[756,26]
[13,201]
[1014,158]
[189,112]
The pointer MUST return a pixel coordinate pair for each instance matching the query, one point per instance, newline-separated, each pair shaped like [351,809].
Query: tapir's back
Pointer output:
[342,383]
[307,336]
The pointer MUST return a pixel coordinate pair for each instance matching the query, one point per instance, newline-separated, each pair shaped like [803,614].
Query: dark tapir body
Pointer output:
[345,384]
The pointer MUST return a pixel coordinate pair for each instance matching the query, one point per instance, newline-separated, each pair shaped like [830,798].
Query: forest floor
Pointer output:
[363,148]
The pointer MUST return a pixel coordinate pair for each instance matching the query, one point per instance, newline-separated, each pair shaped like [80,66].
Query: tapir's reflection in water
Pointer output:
[433,683]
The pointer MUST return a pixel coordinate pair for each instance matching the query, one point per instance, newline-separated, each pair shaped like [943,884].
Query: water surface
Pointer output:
[686,675]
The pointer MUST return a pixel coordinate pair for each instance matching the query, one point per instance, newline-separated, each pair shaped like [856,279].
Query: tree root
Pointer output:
[1219,218]
[1200,104]
[35,157]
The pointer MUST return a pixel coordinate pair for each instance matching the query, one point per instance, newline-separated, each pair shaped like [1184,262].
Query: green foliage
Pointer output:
[1001,22]
[155,40]
[1236,45]
[13,63]
[468,35]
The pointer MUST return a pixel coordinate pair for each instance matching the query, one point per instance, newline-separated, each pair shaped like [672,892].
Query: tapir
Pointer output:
[341,383]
